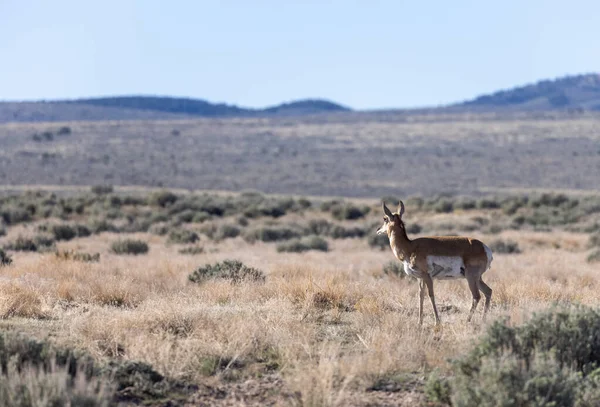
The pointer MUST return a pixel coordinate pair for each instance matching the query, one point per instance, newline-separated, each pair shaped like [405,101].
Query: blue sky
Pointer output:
[364,54]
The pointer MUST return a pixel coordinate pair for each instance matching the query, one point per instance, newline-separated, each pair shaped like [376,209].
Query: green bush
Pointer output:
[505,246]
[341,232]
[232,270]
[102,225]
[159,229]
[163,198]
[348,211]
[438,389]
[102,189]
[552,359]
[63,232]
[444,206]
[320,227]
[5,259]
[200,217]
[488,203]
[270,234]
[594,257]
[183,236]
[64,131]
[304,244]
[26,244]
[192,250]
[507,382]
[380,242]
[394,268]
[186,216]
[226,232]
[594,241]
[12,216]
[129,246]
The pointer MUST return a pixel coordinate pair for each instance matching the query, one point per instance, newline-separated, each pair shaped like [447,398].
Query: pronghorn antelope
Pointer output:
[439,258]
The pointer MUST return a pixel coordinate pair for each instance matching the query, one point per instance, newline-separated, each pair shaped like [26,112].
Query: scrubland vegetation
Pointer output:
[165,298]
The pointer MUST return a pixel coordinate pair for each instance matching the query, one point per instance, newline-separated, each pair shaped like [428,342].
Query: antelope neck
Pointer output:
[400,242]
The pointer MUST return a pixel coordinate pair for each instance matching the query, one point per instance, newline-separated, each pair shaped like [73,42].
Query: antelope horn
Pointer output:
[387,212]
[401,209]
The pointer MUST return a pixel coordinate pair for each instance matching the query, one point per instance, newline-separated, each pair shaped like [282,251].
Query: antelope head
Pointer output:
[390,220]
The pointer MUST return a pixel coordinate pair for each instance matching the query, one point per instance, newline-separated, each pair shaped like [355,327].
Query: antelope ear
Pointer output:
[387,212]
[401,209]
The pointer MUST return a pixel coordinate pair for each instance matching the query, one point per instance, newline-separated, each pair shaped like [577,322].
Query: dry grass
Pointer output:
[329,324]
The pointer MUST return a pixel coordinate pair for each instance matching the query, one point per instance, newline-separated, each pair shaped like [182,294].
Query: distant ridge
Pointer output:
[150,107]
[568,92]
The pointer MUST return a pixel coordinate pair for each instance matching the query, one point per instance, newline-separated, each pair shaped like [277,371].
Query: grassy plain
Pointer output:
[346,154]
[324,328]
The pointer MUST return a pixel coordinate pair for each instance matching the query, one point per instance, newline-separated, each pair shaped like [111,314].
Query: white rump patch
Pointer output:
[411,271]
[445,267]
[488,253]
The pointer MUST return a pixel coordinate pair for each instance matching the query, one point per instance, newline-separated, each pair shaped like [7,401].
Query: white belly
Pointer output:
[445,267]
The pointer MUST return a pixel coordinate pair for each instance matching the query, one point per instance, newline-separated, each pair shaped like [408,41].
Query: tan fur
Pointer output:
[415,252]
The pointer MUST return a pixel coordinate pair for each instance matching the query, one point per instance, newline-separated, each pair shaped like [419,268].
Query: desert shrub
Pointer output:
[326,206]
[36,373]
[304,244]
[64,131]
[102,189]
[63,232]
[77,256]
[394,268]
[129,246]
[316,243]
[192,250]
[227,231]
[102,225]
[270,234]
[511,205]
[507,382]
[341,232]
[2,231]
[186,216]
[594,257]
[552,200]
[163,198]
[553,358]
[242,221]
[200,217]
[159,229]
[380,242]
[183,236]
[465,203]
[27,244]
[492,229]
[488,203]
[232,270]
[5,259]
[12,216]
[594,241]
[304,203]
[348,211]
[136,225]
[438,389]
[443,205]
[505,246]
[319,227]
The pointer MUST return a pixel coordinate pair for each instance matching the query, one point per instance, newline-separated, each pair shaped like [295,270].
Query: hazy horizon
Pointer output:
[383,55]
